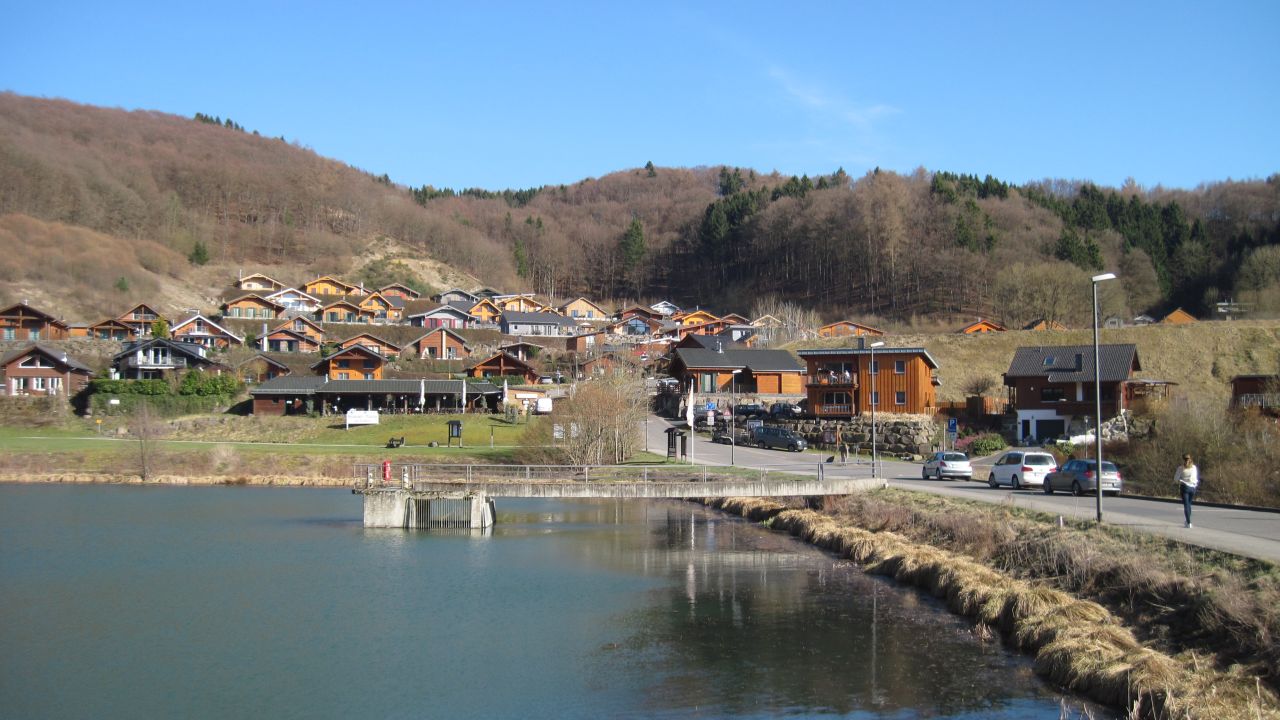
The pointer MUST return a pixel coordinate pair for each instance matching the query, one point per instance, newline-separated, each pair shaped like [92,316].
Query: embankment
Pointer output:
[125,479]
[1077,643]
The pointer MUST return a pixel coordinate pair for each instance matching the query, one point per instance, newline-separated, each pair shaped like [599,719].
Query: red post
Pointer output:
[386,471]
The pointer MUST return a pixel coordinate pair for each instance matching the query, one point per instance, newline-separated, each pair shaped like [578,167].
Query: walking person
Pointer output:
[844,452]
[1188,478]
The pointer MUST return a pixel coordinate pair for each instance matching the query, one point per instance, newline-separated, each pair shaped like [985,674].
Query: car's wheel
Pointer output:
[1048,488]
[1015,484]
[991,481]
[761,444]
[1076,489]
[792,448]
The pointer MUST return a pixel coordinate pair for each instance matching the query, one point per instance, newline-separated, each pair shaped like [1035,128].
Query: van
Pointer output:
[768,436]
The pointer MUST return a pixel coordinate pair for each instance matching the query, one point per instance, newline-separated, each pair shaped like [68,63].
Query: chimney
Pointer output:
[719,347]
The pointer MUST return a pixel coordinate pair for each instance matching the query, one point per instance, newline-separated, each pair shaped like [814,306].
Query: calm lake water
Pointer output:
[128,602]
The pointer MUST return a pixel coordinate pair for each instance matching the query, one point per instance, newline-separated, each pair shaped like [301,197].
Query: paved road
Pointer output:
[1243,532]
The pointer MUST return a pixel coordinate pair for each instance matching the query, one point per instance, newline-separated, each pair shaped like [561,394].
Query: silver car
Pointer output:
[1019,469]
[1078,478]
[947,464]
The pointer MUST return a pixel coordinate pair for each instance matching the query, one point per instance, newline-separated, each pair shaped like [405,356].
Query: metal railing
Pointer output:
[837,379]
[150,362]
[410,475]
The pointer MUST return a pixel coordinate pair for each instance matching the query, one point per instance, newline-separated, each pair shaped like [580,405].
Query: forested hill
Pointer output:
[170,193]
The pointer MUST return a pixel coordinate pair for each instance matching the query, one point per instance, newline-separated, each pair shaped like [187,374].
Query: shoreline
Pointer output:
[70,478]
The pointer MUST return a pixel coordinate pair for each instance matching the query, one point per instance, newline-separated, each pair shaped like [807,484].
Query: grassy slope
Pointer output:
[1201,357]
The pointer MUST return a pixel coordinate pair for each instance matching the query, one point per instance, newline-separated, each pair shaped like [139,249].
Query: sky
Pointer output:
[514,95]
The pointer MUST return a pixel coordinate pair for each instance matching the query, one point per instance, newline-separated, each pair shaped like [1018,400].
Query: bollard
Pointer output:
[368,476]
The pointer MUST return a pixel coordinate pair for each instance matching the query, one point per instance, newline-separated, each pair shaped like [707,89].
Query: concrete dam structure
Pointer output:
[462,496]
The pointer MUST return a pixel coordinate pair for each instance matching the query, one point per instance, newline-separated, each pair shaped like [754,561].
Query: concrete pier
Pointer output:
[398,508]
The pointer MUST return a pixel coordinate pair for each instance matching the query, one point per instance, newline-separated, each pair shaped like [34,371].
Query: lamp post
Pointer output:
[1097,392]
[871,396]
[733,416]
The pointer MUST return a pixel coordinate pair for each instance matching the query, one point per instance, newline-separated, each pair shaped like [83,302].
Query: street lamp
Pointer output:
[1097,391]
[733,416]
[874,371]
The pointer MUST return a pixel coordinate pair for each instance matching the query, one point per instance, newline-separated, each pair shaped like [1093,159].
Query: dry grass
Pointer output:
[1077,643]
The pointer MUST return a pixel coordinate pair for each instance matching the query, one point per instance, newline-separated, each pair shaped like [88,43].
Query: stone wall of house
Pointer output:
[895,434]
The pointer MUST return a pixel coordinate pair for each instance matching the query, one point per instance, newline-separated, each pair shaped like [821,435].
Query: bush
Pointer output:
[130,387]
[980,445]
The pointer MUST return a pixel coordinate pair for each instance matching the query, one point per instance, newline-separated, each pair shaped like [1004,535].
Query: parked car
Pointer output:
[768,436]
[732,435]
[1079,478]
[1019,469]
[784,411]
[750,410]
[947,464]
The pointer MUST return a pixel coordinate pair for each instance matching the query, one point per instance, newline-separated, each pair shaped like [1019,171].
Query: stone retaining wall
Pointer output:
[898,434]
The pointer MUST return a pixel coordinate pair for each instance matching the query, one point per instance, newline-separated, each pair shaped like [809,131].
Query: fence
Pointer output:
[408,475]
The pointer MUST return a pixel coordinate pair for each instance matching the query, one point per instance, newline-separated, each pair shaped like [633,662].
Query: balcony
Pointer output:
[825,409]
[155,363]
[833,380]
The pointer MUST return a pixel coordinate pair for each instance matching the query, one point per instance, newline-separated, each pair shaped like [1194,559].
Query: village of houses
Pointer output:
[328,346]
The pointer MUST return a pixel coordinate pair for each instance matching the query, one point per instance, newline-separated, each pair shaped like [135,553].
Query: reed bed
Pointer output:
[1076,643]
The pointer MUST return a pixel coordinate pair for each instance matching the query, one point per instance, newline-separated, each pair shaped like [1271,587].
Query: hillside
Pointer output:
[1201,357]
[903,250]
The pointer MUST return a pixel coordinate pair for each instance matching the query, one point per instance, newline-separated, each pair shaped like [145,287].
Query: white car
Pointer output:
[1019,469]
[947,464]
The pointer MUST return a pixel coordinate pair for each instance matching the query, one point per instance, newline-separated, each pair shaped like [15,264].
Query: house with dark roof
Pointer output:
[441,344]
[536,323]
[261,368]
[846,382]
[354,363]
[1051,388]
[295,301]
[443,316]
[372,342]
[456,295]
[156,358]
[302,394]
[40,370]
[503,364]
[763,372]
[20,321]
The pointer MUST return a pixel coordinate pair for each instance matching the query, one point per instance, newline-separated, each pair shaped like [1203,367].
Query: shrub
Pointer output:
[986,444]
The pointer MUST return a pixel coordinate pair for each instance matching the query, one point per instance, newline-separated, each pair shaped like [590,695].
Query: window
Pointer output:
[235,311]
[875,397]
[835,398]
[344,376]
[33,334]
[369,364]
[19,385]
[368,376]
[875,367]
[899,367]
[900,397]
[10,334]
[431,353]
[1052,394]
[37,383]
[453,353]
[344,363]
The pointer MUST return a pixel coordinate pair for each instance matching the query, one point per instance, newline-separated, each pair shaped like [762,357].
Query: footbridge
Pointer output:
[462,496]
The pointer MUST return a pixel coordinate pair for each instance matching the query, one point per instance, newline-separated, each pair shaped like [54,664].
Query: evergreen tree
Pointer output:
[122,284]
[632,245]
[159,328]
[650,170]
[199,254]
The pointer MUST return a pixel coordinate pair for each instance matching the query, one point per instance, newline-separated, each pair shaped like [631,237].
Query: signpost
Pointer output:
[953,429]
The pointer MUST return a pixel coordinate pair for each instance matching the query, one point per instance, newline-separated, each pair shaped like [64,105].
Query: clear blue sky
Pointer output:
[502,95]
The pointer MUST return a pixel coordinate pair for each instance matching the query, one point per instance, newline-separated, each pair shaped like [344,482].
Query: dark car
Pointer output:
[785,411]
[750,410]
[1078,478]
[779,438]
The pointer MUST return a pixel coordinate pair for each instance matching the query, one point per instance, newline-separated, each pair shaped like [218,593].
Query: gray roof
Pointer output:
[193,351]
[753,360]
[538,318]
[53,352]
[316,385]
[884,351]
[1074,363]
[711,342]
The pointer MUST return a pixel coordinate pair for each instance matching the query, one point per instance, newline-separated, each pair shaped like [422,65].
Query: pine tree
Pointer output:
[199,254]
[650,170]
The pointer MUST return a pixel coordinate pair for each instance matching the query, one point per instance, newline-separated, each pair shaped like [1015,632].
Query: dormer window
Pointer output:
[1048,360]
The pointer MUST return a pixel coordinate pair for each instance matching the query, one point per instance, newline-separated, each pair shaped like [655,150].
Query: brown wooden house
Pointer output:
[372,342]
[305,327]
[1051,388]
[385,309]
[331,286]
[261,368]
[981,326]
[1044,324]
[201,330]
[763,372]
[404,292]
[142,319]
[23,322]
[258,283]
[251,306]
[1256,391]
[844,382]
[1179,317]
[39,370]
[484,311]
[345,311]
[848,328]
[504,364]
[441,344]
[112,329]
[354,363]
[284,340]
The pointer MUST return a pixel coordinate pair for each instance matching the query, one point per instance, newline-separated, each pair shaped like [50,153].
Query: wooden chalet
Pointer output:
[384,309]
[200,330]
[846,382]
[156,358]
[696,317]
[261,368]
[606,363]
[1179,317]
[374,343]
[23,322]
[764,372]
[38,370]
[331,286]
[258,283]
[523,302]
[524,351]
[735,319]
[583,342]
[981,326]
[639,311]
[142,319]
[502,364]
[446,316]
[354,363]
[404,292]
[485,312]
[1051,387]
[345,312]
[251,307]
[536,323]
[664,308]
[111,329]
[456,295]
[284,340]
[848,328]
[1256,391]
[1044,324]
[441,344]
[305,327]
[583,309]
[634,326]
[296,301]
